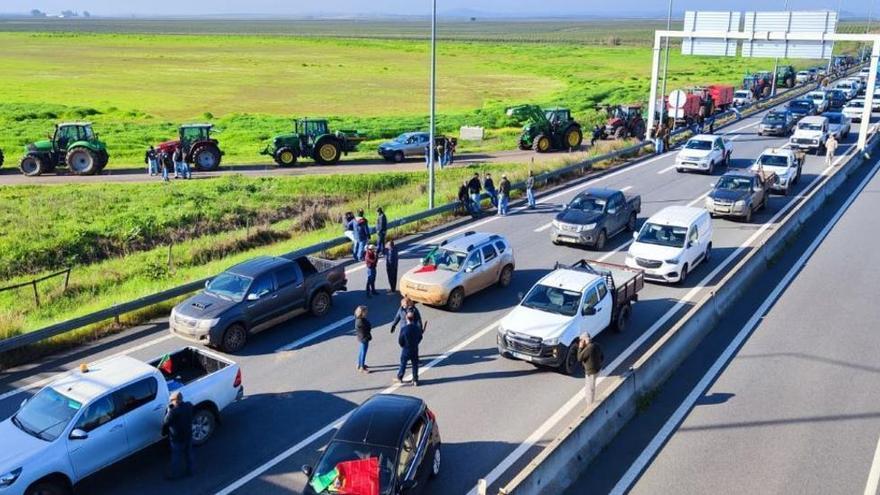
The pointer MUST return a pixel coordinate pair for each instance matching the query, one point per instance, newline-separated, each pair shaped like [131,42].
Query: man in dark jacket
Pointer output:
[371,260]
[391,259]
[504,196]
[465,199]
[381,230]
[475,189]
[407,306]
[409,339]
[590,356]
[178,427]
[489,186]
[361,235]
[151,159]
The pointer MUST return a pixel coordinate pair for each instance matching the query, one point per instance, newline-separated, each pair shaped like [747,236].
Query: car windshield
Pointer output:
[809,126]
[774,118]
[349,467]
[834,118]
[856,104]
[698,144]
[552,300]
[402,138]
[773,160]
[443,259]
[229,286]
[741,94]
[662,235]
[799,105]
[817,96]
[837,94]
[588,204]
[732,183]
[46,414]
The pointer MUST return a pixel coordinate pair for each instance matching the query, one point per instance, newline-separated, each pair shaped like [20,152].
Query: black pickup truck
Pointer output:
[594,216]
[255,295]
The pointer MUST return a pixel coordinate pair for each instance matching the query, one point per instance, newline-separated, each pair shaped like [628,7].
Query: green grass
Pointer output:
[138,87]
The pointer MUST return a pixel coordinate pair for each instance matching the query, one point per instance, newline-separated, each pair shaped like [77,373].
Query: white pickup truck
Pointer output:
[786,163]
[586,297]
[703,153]
[94,416]
[810,134]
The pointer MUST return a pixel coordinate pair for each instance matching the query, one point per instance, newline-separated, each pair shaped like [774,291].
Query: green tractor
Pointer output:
[786,76]
[74,145]
[312,138]
[547,129]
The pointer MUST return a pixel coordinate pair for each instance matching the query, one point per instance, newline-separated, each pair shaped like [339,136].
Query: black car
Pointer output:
[778,123]
[801,108]
[392,440]
[836,99]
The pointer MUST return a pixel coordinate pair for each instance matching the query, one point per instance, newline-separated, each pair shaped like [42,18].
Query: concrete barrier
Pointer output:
[559,464]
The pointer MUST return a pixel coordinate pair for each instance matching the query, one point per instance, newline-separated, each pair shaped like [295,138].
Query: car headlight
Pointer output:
[740,204]
[550,342]
[673,261]
[710,201]
[10,477]
[589,226]
[207,324]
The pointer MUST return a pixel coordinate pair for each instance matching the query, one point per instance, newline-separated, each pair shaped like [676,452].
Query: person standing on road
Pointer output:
[598,132]
[363,329]
[371,259]
[391,259]
[348,225]
[407,306]
[464,198]
[489,186]
[474,188]
[361,235]
[181,169]
[590,356]
[177,426]
[830,149]
[451,151]
[530,190]
[409,339]
[151,160]
[163,164]
[504,196]
[381,230]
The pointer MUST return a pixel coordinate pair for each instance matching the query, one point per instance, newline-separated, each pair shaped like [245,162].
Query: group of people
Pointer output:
[357,229]
[444,152]
[159,162]
[408,339]
[470,193]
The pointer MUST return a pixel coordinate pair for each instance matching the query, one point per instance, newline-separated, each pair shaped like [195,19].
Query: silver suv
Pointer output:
[406,145]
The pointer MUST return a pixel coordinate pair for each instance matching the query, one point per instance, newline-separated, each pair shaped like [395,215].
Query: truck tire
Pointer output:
[234,339]
[320,303]
[82,161]
[455,300]
[542,143]
[204,423]
[684,274]
[619,133]
[31,166]
[48,487]
[327,151]
[285,157]
[620,324]
[573,138]
[435,463]
[570,363]
[601,239]
[748,217]
[632,223]
[206,158]
[506,277]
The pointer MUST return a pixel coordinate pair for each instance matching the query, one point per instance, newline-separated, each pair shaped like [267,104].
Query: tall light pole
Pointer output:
[776,63]
[831,57]
[665,66]
[433,105]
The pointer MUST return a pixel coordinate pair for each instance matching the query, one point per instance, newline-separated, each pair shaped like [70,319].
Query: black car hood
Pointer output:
[728,195]
[204,306]
[578,217]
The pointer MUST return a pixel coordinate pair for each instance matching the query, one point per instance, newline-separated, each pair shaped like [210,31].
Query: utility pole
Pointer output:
[433,104]
[776,62]
[831,57]
[665,67]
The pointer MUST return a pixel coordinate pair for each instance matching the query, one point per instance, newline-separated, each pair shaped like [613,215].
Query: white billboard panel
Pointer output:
[710,21]
[760,23]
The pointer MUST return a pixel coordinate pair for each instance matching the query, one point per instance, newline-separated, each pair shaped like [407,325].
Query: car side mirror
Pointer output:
[589,311]
[408,485]
[469,269]
[253,296]
[78,434]
[307,470]
[612,211]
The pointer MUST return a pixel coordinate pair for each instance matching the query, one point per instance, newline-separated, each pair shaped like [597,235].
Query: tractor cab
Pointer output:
[67,134]
[557,116]
[624,121]
[311,128]
[194,133]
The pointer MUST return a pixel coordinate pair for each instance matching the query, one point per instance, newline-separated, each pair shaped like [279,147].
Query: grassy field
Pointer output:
[137,87]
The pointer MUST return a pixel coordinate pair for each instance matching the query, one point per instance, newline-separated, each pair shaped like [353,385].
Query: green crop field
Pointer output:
[137,86]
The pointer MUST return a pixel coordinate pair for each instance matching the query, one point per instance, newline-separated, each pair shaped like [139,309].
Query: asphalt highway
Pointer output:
[780,398]
[494,414]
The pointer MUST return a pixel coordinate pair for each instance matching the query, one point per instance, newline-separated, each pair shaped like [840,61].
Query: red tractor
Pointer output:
[199,149]
[624,121]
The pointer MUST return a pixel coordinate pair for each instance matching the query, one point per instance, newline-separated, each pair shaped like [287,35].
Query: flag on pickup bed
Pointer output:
[166,365]
[324,481]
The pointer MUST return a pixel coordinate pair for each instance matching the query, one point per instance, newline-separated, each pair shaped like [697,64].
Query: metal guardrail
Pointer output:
[115,311]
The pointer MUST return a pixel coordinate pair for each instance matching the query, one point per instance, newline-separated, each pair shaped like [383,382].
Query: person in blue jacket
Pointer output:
[409,339]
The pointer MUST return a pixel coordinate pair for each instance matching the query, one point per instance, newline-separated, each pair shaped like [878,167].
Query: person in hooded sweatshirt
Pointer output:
[361,234]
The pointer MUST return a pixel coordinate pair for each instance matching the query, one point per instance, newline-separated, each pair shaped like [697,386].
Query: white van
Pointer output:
[672,243]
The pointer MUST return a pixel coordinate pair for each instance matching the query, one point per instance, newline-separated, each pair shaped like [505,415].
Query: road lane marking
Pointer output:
[314,335]
[625,189]
[338,422]
[544,227]
[514,456]
[55,376]
[637,467]
[667,169]
[874,474]
[699,198]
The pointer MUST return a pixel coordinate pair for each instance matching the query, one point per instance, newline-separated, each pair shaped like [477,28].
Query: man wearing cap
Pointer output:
[177,425]
[371,259]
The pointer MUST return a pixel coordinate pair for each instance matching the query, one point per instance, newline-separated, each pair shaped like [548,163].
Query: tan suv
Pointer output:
[459,267]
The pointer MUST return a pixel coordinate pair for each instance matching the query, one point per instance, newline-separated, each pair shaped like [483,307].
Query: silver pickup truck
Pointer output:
[101,413]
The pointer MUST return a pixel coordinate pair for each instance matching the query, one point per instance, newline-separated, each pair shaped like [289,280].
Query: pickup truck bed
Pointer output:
[186,366]
[625,284]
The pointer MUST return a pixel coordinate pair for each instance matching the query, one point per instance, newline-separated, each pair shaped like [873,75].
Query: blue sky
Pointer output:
[556,8]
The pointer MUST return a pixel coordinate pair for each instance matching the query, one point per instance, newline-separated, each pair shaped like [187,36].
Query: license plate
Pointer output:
[722,209]
[524,357]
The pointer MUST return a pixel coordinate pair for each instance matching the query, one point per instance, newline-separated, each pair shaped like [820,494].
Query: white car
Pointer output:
[585,298]
[95,416]
[803,77]
[784,162]
[820,99]
[853,109]
[703,153]
[838,124]
[742,97]
[849,88]
[810,134]
[672,243]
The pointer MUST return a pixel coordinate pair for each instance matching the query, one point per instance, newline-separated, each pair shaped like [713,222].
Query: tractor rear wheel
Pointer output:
[542,143]
[327,152]
[206,158]
[619,133]
[573,138]
[638,130]
[285,157]
[31,166]
[82,161]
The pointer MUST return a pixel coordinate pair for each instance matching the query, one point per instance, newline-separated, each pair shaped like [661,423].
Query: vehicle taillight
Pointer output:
[237,382]
[431,414]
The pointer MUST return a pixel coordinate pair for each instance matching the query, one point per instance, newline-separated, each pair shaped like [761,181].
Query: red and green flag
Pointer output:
[360,477]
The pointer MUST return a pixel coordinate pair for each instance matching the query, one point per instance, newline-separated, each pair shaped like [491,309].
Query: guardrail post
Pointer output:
[36,294]
[67,278]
